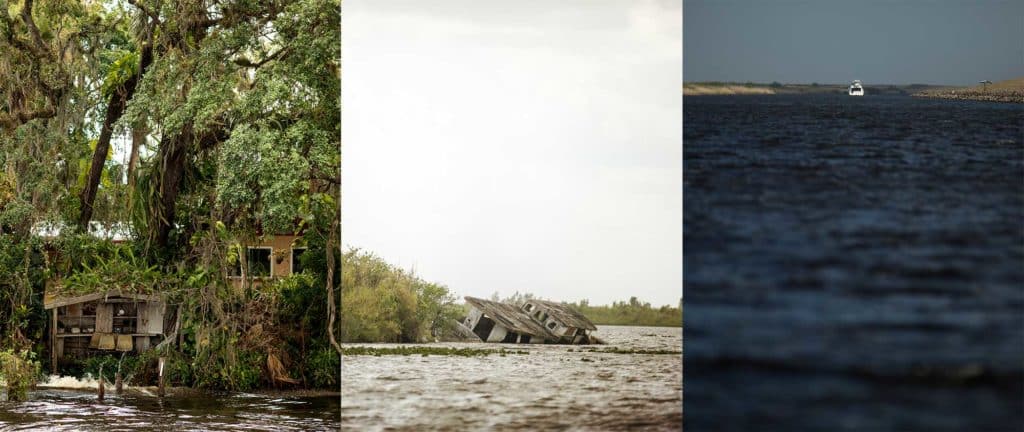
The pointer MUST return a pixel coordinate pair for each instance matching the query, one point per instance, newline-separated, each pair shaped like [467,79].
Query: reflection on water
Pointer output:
[71,410]
[552,387]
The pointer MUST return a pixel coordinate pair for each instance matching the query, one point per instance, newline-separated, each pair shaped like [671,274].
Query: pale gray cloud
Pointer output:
[503,146]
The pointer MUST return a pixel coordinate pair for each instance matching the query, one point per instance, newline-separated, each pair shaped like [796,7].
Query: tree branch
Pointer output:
[146,10]
[245,62]
[26,16]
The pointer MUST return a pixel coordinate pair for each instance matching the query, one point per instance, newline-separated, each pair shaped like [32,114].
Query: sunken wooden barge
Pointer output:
[535,321]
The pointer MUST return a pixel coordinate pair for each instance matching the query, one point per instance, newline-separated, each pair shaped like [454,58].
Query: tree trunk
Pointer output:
[332,243]
[138,140]
[115,108]
[171,161]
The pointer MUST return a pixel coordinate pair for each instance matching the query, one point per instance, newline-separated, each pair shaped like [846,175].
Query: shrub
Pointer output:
[323,367]
[19,370]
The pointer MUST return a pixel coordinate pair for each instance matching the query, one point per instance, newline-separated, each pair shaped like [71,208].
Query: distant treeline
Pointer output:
[632,312]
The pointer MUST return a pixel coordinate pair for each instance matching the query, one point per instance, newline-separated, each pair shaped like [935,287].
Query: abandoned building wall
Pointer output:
[497,333]
[151,318]
[280,259]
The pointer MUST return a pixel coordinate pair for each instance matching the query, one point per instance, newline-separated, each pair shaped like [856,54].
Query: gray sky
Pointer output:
[526,145]
[955,42]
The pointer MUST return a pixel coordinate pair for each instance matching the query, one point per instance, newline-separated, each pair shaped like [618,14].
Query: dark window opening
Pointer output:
[258,260]
[296,260]
[483,327]
[525,338]
[510,337]
[126,318]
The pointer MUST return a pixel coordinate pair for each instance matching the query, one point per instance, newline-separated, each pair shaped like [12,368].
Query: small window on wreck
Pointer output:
[528,307]
[551,325]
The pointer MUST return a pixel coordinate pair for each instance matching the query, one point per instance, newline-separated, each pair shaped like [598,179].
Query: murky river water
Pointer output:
[853,263]
[78,410]
[552,387]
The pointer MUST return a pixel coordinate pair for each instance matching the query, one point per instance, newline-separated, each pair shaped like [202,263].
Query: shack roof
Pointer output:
[565,314]
[53,299]
[511,317]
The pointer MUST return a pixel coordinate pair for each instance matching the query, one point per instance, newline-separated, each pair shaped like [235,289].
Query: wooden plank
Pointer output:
[124,342]
[53,343]
[104,318]
[51,300]
[151,317]
[141,343]
[107,341]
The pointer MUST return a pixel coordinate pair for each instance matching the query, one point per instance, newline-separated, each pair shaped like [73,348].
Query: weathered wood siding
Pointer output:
[151,318]
[104,318]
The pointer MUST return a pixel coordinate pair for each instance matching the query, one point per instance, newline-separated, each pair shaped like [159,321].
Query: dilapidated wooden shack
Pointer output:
[104,322]
[535,321]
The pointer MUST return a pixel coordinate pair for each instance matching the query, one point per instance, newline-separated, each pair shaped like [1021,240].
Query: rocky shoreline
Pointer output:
[1011,96]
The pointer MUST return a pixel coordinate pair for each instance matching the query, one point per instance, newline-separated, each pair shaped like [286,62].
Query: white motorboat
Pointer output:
[856,89]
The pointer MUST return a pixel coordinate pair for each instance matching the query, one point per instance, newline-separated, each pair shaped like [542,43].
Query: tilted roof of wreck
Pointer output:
[565,314]
[510,317]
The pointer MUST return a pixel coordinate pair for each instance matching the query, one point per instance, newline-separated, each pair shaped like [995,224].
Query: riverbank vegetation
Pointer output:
[384,303]
[184,129]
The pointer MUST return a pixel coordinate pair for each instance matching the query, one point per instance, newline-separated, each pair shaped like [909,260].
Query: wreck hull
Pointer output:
[535,322]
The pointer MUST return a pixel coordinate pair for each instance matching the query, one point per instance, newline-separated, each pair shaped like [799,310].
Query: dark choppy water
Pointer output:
[853,263]
[70,410]
[554,387]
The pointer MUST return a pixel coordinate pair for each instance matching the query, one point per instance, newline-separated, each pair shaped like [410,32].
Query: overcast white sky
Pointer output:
[517,145]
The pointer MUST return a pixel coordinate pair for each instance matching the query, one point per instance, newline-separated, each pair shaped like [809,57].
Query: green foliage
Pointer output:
[121,270]
[240,109]
[126,65]
[323,367]
[383,303]
[19,370]
[427,351]
[241,375]
[632,312]
[129,365]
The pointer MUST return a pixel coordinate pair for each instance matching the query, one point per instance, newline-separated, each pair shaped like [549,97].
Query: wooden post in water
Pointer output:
[160,372]
[117,383]
[100,387]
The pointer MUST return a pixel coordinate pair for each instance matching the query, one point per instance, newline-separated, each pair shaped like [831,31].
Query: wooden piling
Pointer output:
[100,387]
[160,385]
[118,387]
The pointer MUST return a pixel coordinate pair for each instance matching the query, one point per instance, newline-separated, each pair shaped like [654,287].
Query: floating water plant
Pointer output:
[427,351]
